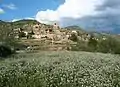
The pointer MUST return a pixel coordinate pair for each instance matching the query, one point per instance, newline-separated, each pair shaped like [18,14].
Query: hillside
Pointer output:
[21,23]
[51,38]
[74,28]
[38,36]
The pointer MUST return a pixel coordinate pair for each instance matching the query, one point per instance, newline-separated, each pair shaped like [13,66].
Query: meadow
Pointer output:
[60,69]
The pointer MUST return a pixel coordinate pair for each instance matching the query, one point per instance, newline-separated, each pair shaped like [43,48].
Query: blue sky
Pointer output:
[26,8]
[90,14]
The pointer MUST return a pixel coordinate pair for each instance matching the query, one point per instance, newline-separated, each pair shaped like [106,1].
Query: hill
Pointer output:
[75,28]
[35,35]
[21,23]
[18,24]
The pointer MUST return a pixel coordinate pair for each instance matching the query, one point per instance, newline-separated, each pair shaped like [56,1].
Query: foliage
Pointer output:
[109,45]
[60,69]
[73,37]
[22,34]
[7,40]
[77,28]
[5,31]
[80,46]
[92,42]
[5,51]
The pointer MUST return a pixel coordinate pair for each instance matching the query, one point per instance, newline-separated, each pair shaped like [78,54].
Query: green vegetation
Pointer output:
[77,28]
[6,40]
[73,38]
[60,69]
[5,51]
[109,45]
[21,23]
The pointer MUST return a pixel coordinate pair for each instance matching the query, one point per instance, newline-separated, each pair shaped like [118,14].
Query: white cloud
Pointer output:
[1,11]
[70,9]
[10,6]
[46,16]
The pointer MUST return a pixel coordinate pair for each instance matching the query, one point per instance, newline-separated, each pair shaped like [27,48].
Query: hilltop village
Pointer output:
[53,32]
[36,36]
[54,37]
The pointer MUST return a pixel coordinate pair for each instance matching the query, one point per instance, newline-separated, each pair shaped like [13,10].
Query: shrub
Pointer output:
[80,46]
[92,44]
[110,45]
[5,51]
[89,46]
[21,34]
[7,40]
[74,37]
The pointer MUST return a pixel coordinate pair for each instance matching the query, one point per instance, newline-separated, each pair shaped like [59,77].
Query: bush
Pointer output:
[5,51]
[89,46]
[92,43]
[110,45]
[80,46]
[22,34]
[74,37]
[7,38]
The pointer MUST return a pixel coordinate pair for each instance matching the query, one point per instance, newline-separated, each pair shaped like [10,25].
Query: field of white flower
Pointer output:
[60,69]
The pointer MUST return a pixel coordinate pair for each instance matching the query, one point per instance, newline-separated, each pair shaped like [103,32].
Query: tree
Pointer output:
[92,43]
[110,45]
[5,51]
[6,34]
[7,40]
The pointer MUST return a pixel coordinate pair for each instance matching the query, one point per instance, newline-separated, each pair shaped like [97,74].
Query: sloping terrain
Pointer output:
[28,25]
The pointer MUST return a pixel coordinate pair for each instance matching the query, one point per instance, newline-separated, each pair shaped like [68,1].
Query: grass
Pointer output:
[60,69]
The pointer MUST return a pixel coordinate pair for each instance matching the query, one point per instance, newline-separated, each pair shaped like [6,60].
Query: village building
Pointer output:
[51,32]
